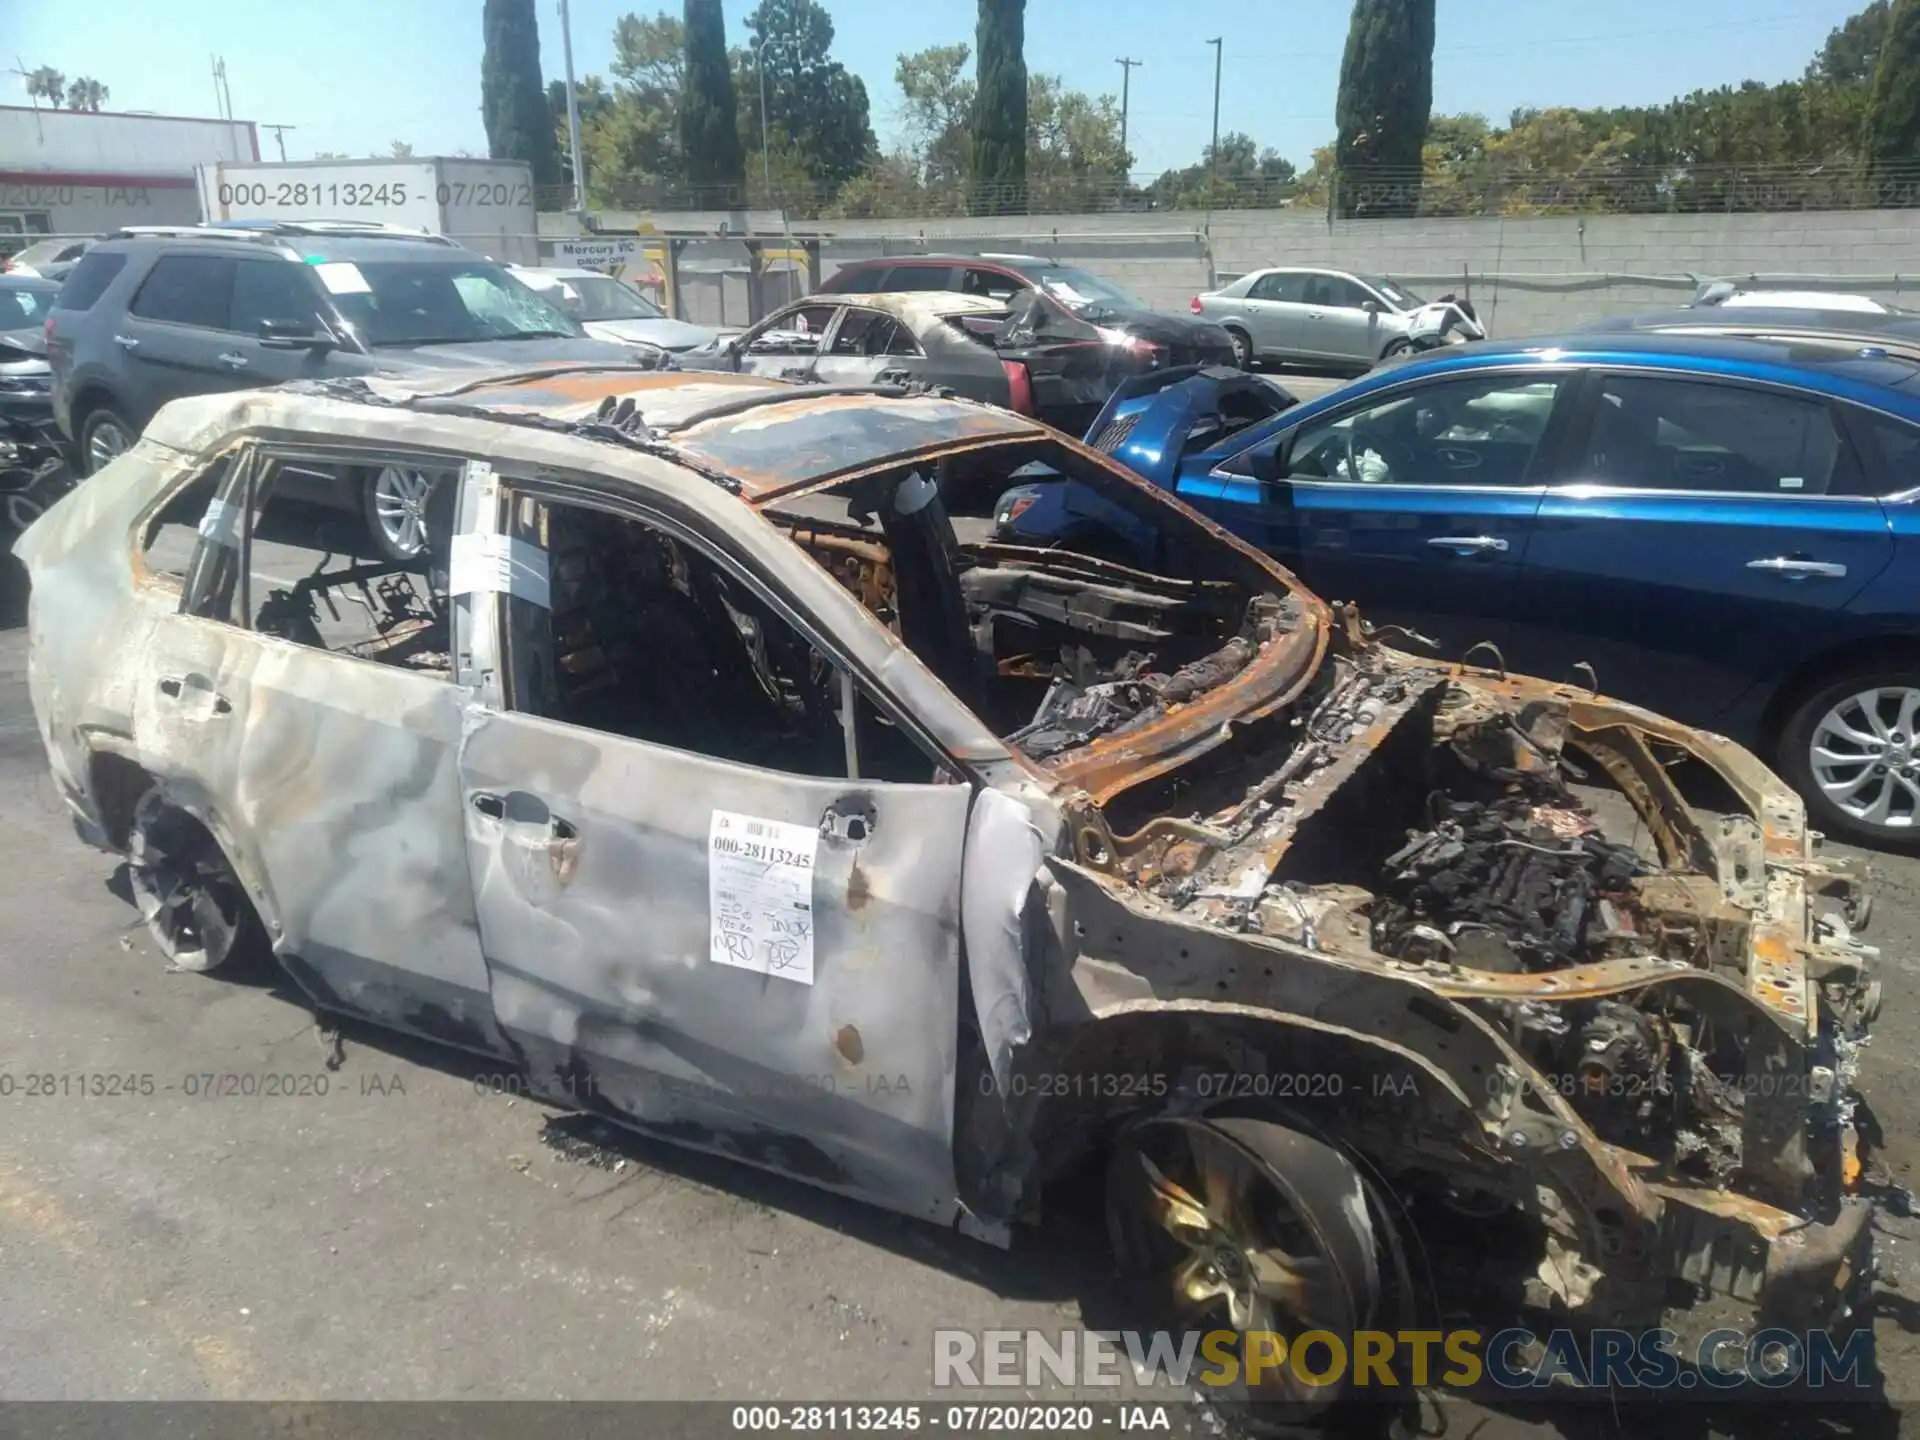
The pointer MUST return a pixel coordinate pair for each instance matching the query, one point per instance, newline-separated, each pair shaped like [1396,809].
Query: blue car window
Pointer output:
[1479,431]
[1650,432]
[1898,444]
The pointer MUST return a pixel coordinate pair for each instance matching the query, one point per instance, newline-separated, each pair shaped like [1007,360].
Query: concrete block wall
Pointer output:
[1525,275]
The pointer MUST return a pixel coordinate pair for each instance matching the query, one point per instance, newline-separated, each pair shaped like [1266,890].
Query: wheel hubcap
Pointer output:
[400,508]
[1865,758]
[104,443]
[190,899]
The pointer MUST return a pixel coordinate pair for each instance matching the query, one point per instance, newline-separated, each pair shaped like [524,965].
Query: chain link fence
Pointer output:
[1470,190]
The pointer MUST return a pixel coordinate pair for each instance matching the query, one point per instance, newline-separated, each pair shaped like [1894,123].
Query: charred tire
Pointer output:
[1850,748]
[1251,1225]
[1242,347]
[104,436]
[194,905]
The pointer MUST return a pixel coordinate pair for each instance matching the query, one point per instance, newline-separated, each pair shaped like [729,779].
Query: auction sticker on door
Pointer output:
[760,895]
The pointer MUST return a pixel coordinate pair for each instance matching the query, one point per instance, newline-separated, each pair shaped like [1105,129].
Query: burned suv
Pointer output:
[728,777]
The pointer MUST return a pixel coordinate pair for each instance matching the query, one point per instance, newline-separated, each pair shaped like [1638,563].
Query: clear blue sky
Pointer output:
[353,75]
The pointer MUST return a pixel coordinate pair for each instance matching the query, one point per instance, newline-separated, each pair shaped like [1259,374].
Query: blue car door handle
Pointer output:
[1788,568]
[1468,544]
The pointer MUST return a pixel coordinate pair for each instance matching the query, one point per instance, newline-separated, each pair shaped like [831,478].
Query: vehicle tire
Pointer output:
[397,503]
[1396,347]
[195,907]
[103,436]
[1850,748]
[1251,1225]
[1242,347]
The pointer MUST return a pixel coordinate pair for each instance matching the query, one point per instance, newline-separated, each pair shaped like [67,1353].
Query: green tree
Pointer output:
[937,113]
[1074,159]
[1893,110]
[1246,177]
[816,108]
[399,150]
[1852,49]
[709,124]
[1384,102]
[512,99]
[86,93]
[998,169]
[48,84]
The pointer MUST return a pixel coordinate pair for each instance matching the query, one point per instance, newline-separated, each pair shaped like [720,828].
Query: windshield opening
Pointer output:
[1081,292]
[419,303]
[1394,291]
[601,297]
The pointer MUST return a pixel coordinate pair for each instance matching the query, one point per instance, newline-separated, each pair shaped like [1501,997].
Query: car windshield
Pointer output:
[24,307]
[601,297]
[433,303]
[1079,291]
[1404,298]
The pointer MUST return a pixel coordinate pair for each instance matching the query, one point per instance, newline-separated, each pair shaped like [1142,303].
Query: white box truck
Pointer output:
[486,205]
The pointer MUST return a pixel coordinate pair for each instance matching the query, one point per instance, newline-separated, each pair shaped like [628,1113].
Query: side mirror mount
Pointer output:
[1372,307]
[295,335]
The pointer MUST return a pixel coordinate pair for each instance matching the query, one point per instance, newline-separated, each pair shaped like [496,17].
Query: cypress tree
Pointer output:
[1893,109]
[999,158]
[709,128]
[513,99]
[1385,100]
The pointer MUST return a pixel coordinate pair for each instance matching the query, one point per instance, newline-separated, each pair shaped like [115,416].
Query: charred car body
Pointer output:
[717,780]
[1024,351]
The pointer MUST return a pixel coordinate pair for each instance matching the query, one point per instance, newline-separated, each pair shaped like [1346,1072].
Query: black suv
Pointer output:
[151,314]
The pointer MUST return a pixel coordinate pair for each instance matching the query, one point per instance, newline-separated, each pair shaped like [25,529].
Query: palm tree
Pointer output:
[86,93]
[48,84]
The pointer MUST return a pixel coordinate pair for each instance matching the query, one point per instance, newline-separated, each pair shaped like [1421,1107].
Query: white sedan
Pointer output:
[1312,315]
[611,309]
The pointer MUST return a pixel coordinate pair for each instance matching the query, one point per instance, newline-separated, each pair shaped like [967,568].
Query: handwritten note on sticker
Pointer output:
[760,895]
[342,277]
[494,564]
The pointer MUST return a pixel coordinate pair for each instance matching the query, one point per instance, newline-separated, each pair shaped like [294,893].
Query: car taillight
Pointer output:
[1197,307]
[1019,386]
[47,330]
[1018,507]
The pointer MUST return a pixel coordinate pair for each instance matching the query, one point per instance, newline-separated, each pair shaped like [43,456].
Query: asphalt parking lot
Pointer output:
[412,1233]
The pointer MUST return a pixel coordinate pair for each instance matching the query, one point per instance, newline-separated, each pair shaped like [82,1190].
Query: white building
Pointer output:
[71,172]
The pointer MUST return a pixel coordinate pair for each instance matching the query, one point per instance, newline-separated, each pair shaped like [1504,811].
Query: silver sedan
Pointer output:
[1317,316]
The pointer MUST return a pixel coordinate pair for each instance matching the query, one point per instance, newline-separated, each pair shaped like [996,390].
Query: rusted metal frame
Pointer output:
[1710,993]
[813,485]
[1621,750]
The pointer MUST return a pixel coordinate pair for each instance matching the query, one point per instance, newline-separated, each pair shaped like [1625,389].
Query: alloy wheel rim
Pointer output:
[105,443]
[1235,1248]
[1241,350]
[400,508]
[1865,756]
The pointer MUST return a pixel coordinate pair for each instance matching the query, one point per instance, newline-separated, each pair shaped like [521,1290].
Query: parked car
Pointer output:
[969,344]
[151,316]
[1064,302]
[610,309]
[47,259]
[1719,527]
[721,750]
[26,379]
[1294,315]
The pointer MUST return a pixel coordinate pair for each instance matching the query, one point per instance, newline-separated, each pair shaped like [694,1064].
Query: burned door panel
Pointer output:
[591,857]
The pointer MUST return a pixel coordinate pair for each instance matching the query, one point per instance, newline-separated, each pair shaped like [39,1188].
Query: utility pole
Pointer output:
[573,116]
[1213,150]
[280,136]
[222,96]
[1126,65]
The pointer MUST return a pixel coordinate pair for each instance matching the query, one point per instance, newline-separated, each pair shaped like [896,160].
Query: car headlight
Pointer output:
[9,453]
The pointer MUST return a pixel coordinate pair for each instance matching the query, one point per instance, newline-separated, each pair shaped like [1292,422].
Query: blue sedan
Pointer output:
[1725,530]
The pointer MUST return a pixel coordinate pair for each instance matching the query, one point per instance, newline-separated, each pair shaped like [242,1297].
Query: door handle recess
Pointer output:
[126,342]
[174,686]
[1468,544]
[1788,568]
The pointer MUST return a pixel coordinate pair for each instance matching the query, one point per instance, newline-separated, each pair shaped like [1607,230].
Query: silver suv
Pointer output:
[156,313]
